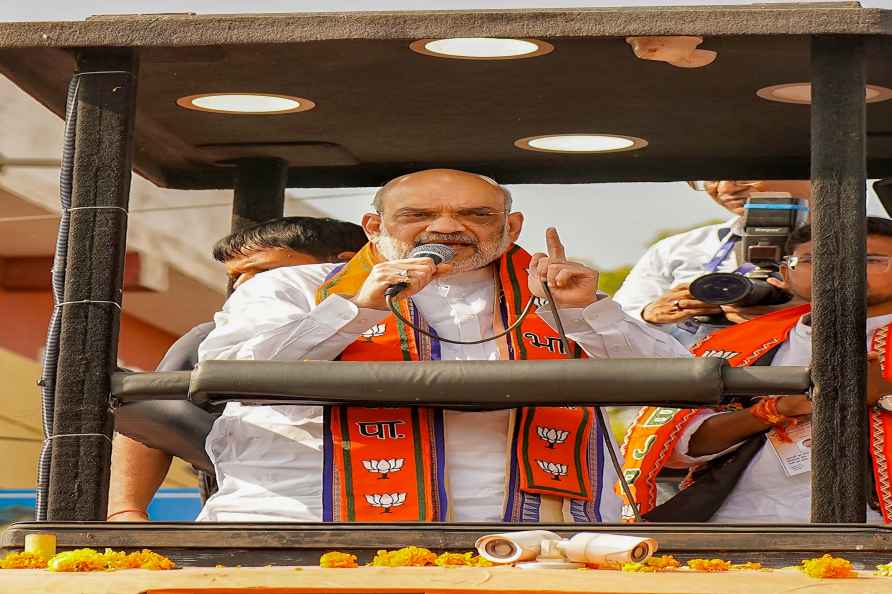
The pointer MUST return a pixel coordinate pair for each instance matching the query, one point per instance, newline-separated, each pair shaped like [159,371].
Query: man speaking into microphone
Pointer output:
[344,464]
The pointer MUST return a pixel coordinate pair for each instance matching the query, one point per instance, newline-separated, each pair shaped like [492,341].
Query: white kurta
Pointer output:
[764,493]
[269,458]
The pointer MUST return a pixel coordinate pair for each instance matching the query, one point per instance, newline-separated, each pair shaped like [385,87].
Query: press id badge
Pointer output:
[794,455]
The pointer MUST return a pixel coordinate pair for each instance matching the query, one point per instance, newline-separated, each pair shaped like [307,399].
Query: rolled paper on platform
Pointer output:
[599,549]
[42,544]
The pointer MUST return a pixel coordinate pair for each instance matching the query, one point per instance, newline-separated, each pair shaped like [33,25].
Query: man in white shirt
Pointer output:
[288,463]
[749,478]
[656,289]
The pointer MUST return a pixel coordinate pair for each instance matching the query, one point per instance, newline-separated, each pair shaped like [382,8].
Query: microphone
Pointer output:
[437,252]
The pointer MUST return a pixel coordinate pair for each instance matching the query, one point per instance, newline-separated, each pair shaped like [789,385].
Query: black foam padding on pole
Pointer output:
[79,473]
[178,428]
[839,368]
[447,382]
[259,192]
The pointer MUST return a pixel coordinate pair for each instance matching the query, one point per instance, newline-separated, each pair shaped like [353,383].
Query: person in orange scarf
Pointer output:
[339,463]
[754,464]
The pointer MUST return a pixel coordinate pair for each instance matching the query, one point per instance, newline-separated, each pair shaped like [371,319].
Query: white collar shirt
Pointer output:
[677,259]
[268,459]
[765,493]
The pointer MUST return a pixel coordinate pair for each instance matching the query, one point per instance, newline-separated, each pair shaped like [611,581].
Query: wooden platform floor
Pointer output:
[434,580]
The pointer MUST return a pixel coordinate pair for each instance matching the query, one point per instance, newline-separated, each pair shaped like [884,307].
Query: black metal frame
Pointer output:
[106,107]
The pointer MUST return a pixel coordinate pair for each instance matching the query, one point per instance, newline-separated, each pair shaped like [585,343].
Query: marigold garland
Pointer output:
[653,564]
[828,566]
[404,557]
[885,570]
[458,559]
[23,561]
[92,560]
[709,565]
[337,559]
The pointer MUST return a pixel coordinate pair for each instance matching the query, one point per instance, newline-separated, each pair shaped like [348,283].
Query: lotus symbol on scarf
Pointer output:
[551,437]
[386,501]
[385,466]
[553,468]
[376,330]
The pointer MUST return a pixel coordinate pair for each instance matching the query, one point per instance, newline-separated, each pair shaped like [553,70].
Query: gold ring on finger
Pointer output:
[676,305]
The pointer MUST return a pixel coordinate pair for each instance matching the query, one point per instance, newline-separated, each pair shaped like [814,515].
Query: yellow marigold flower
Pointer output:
[78,560]
[885,570]
[662,563]
[828,566]
[23,561]
[337,559]
[709,565]
[454,559]
[404,557]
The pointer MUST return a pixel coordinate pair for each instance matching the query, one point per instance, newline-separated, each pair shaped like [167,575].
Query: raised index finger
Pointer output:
[555,247]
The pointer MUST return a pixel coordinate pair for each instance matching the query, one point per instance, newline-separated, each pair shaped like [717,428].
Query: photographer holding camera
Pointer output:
[657,290]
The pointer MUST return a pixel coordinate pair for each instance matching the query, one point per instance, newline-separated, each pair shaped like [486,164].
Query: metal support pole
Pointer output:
[259,192]
[81,441]
[839,367]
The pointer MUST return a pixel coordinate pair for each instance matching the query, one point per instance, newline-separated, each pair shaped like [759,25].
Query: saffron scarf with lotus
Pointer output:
[654,434]
[388,464]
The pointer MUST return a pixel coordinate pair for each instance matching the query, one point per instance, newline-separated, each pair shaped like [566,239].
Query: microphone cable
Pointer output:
[514,326]
[599,414]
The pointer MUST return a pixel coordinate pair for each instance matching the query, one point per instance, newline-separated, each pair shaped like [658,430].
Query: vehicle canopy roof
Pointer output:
[382,109]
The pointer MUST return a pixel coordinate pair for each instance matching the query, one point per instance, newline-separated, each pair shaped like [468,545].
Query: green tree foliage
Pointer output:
[610,281]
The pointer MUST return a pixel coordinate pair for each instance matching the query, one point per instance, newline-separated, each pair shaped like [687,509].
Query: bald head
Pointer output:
[438,183]
[468,212]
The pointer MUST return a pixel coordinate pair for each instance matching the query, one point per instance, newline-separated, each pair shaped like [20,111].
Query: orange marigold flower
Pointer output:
[454,559]
[336,559]
[147,559]
[709,565]
[404,557]
[90,560]
[663,562]
[828,566]
[23,561]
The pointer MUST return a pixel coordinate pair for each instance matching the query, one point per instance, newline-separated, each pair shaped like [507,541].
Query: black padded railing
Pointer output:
[164,410]
[465,384]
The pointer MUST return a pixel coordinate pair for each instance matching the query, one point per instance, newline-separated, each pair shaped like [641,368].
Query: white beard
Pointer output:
[485,253]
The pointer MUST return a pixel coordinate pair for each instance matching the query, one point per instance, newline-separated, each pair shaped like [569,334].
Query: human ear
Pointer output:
[515,224]
[371,224]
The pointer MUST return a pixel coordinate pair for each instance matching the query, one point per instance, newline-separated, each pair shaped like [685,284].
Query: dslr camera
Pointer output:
[768,220]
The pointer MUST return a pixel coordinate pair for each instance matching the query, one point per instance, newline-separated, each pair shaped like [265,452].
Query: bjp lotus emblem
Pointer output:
[384,467]
[376,330]
[386,500]
[553,468]
[551,437]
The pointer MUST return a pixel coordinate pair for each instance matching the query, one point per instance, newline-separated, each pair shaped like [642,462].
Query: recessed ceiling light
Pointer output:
[246,103]
[482,48]
[581,143]
[800,93]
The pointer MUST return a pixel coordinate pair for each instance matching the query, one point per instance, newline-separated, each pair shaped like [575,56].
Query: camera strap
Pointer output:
[723,252]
